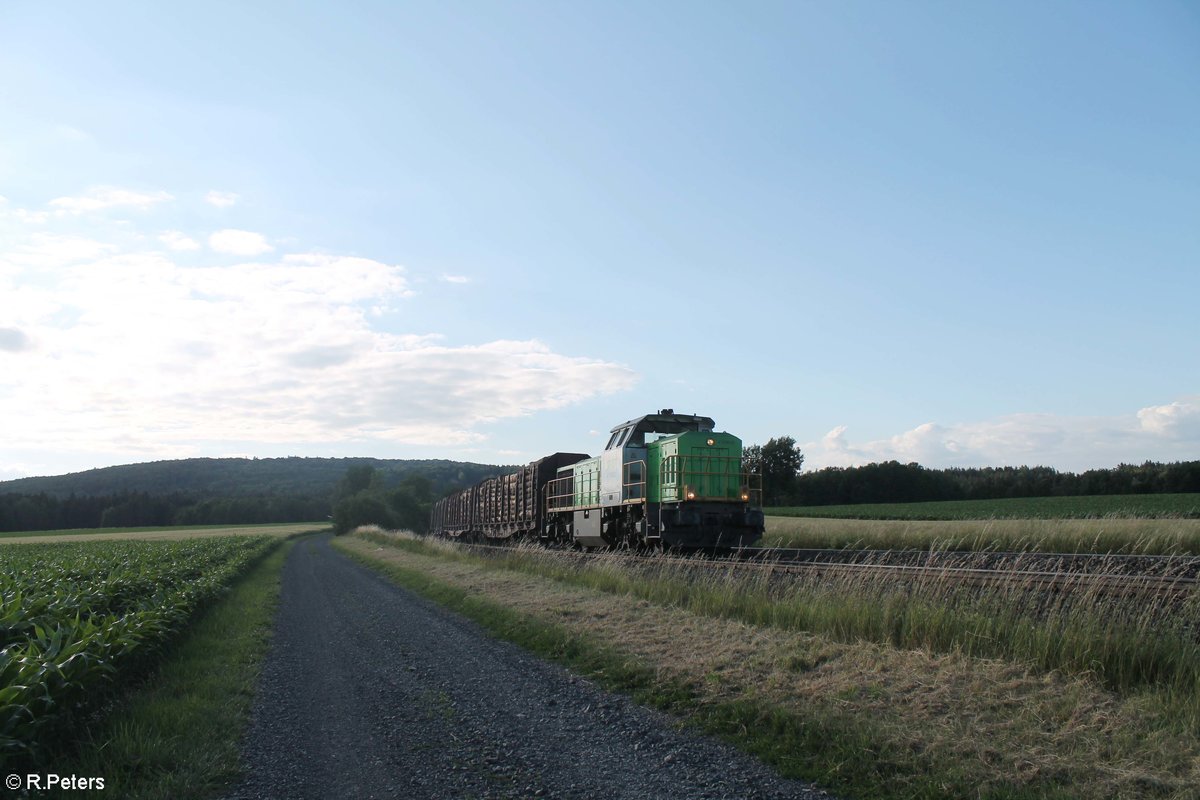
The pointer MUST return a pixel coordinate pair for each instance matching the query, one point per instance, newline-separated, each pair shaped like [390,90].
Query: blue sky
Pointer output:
[959,234]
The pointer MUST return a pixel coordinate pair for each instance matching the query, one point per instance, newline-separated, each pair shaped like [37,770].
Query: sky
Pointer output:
[961,234]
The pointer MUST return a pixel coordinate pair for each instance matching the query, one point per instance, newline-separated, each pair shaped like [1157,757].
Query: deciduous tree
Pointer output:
[778,463]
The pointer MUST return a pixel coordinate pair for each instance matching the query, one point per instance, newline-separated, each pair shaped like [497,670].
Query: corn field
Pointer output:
[77,617]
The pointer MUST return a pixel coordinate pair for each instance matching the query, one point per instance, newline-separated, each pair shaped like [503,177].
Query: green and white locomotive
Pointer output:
[664,480]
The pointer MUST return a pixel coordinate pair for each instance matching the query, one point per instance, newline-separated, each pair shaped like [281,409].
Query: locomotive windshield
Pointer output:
[633,433]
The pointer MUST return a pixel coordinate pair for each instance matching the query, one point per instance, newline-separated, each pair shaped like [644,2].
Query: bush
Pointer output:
[363,508]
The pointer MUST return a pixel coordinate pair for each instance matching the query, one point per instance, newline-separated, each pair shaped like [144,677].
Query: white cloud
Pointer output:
[239,243]
[108,197]
[49,250]
[456,279]
[32,217]
[1180,419]
[178,241]
[220,199]
[25,215]
[139,357]
[1168,432]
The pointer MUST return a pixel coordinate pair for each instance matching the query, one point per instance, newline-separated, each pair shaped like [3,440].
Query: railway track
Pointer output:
[1109,574]
[1070,562]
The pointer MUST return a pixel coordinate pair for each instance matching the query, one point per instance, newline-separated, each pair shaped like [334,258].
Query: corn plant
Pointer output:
[75,617]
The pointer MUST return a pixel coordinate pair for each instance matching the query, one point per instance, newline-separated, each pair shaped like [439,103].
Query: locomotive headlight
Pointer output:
[745,494]
[711,442]
[689,493]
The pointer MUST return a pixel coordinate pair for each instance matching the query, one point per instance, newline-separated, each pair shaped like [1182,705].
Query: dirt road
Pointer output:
[371,692]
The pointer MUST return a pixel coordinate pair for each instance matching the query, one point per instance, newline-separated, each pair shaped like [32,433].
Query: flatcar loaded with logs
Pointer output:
[664,480]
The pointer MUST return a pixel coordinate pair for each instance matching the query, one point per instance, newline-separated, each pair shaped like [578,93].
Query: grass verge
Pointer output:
[1108,535]
[177,734]
[1083,507]
[860,718]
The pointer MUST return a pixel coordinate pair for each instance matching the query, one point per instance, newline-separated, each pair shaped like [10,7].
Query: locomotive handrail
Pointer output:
[560,493]
[633,491]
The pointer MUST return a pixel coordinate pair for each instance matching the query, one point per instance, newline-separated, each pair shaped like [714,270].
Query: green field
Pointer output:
[1135,506]
[177,734]
[78,618]
[254,528]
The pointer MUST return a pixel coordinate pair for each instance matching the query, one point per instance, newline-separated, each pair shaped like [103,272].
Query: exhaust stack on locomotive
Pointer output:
[663,480]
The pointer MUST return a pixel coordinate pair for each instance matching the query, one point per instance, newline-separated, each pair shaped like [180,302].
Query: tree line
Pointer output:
[227,477]
[360,498]
[224,491]
[45,512]
[778,463]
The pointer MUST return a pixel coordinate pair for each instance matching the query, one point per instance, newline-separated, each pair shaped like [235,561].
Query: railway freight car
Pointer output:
[502,507]
[663,480]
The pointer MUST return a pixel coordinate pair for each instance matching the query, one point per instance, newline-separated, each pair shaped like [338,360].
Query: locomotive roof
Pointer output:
[667,421]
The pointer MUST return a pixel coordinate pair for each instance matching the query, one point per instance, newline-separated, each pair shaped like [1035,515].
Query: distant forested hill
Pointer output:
[244,476]
[210,491]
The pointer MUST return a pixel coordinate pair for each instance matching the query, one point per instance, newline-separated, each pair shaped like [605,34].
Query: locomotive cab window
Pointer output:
[618,439]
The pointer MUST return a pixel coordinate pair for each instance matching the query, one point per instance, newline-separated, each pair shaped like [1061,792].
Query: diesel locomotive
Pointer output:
[664,480]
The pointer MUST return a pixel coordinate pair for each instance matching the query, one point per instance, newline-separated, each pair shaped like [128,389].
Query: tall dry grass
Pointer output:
[1129,645]
[1114,535]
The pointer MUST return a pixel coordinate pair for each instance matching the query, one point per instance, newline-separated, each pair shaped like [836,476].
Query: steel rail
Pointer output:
[1070,570]
[1072,563]
[1140,584]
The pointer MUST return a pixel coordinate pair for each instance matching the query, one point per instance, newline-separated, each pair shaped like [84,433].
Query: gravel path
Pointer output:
[371,692]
